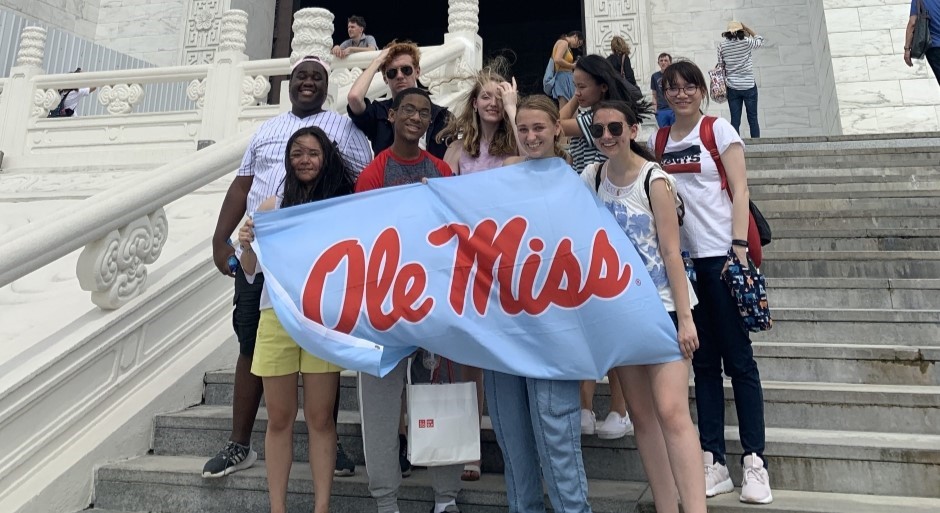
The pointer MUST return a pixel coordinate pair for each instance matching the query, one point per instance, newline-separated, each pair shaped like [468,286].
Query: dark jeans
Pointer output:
[933,58]
[723,339]
[246,315]
[748,99]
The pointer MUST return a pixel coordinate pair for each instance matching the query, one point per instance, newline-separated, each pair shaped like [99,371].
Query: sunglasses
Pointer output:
[391,73]
[614,127]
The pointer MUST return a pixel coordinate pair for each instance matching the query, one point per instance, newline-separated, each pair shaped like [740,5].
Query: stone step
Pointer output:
[856,326]
[867,293]
[162,483]
[900,196]
[849,187]
[172,485]
[833,206]
[777,160]
[801,459]
[805,240]
[846,224]
[851,264]
[848,363]
[835,175]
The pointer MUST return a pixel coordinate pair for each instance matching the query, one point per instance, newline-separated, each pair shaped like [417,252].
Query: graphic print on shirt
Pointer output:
[688,160]
[637,228]
[397,173]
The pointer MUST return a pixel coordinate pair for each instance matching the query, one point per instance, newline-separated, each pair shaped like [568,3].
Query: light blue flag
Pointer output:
[519,270]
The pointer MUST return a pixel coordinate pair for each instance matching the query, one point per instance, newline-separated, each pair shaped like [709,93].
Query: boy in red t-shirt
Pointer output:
[404,162]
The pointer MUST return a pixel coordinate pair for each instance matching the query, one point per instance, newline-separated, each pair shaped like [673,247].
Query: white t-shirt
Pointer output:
[631,208]
[706,228]
[72,99]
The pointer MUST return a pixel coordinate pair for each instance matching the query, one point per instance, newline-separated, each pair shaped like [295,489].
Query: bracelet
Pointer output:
[907,48]
[739,242]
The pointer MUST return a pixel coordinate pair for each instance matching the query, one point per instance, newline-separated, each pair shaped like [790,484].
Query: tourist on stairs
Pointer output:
[260,176]
[643,200]
[315,172]
[713,225]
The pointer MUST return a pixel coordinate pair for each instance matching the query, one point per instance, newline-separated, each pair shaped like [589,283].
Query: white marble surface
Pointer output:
[36,306]
[76,16]
[149,30]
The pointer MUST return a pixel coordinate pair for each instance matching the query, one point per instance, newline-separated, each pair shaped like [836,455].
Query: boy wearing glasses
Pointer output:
[398,64]
[404,162]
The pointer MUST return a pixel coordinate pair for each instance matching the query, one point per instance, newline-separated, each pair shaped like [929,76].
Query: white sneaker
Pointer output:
[588,422]
[755,487]
[717,478]
[614,427]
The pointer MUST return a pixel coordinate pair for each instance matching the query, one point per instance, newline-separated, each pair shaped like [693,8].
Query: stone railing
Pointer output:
[228,95]
[123,230]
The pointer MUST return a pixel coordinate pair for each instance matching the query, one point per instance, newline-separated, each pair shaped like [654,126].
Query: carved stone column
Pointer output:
[203,31]
[463,24]
[313,35]
[226,90]
[20,102]
[628,19]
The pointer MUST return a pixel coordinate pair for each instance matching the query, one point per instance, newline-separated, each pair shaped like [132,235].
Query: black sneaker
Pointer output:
[232,458]
[344,466]
[403,456]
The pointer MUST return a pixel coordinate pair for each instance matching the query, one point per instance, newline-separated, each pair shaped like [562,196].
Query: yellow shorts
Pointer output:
[276,353]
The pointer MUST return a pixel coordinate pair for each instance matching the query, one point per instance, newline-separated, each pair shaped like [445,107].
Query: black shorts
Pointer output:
[247,313]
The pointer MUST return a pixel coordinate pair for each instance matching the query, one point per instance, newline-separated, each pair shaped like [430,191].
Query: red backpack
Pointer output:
[755,239]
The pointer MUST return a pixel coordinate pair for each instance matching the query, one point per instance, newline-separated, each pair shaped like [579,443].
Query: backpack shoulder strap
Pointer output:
[707,134]
[597,178]
[646,188]
[662,137]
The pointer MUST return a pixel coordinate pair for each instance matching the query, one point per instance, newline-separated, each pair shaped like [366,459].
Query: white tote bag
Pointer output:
[443,423]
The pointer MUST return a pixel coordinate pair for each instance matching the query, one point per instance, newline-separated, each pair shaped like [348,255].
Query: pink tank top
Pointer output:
[484,162]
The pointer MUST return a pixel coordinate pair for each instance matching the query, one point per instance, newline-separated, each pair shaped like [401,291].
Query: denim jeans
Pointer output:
[723,339]
[538,428]
[665,117]
[747,98]
[933,58]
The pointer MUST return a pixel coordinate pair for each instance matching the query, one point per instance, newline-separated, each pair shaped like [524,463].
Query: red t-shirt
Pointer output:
[389,170]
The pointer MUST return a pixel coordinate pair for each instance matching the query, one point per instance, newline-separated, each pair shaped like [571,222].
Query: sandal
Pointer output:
[471,472]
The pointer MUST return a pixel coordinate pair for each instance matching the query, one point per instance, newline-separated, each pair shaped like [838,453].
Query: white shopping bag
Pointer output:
[443,424]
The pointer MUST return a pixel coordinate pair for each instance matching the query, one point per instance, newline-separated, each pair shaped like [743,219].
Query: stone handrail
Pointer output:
[121,230]
[124,229]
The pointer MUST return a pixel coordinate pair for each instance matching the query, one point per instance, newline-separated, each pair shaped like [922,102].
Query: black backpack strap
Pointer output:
[597,178]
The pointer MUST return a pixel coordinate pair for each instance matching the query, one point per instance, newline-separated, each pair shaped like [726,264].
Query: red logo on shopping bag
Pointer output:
[425,423]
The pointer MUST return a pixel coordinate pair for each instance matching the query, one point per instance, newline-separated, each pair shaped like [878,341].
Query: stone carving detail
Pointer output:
[32,47]
[313,34]
[615,8]
[196,91]
[114,269]
[44,101]
[121,98]
[254,90]
[234,31]
[203,31]
[345,77]
[605,19]
[463,16]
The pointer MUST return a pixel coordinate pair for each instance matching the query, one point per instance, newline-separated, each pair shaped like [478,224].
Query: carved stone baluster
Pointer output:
[313,35]
[121,98]
[196,92]
[234,31]
[254,90]
[32,47]
[463,16]
[114,269]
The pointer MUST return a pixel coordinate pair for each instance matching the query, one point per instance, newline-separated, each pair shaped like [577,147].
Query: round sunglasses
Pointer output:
[614,127]
[391,73]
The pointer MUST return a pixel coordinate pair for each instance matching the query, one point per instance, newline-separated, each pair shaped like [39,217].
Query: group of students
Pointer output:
[308,154]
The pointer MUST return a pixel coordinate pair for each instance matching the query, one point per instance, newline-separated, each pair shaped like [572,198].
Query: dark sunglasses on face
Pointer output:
[391,73]
[614,127]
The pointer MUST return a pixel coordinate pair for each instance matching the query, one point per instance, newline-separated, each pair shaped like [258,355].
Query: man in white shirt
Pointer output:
[261,176]
[70,99]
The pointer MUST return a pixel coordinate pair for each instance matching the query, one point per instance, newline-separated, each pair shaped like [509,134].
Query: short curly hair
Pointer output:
[397,48]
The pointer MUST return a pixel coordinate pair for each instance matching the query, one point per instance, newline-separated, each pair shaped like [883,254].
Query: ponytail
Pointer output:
[642,151]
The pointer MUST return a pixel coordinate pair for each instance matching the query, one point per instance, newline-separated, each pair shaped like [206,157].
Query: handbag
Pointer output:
[443,423]
[749,290]
[718,90]
[921,40]
[548,79]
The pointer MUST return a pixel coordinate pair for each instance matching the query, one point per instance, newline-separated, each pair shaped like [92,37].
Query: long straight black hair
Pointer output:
[335,179]
[618,89]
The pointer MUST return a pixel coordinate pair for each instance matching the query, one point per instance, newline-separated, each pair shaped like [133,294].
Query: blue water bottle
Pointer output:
[232,259]
[689,266]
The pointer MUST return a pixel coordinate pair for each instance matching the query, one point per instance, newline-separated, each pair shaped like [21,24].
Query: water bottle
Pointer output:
[689,266]
[233,263]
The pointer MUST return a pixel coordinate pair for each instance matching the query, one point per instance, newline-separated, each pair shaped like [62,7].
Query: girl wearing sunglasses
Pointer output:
[713,224]
[643,199]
